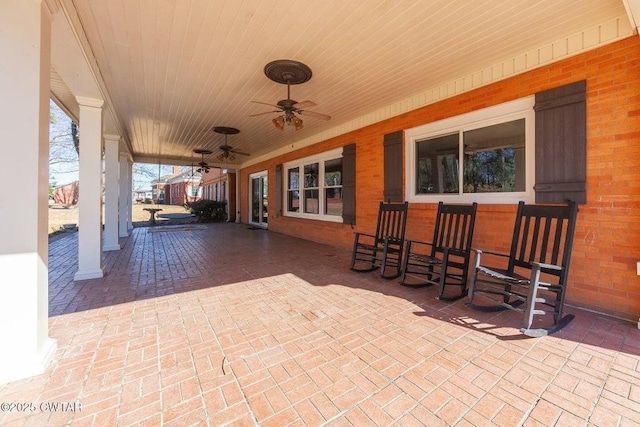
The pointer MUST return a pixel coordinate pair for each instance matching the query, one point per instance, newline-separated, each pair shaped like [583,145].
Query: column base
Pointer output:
[124,234]
[115,247]
[89,274]
[26,366]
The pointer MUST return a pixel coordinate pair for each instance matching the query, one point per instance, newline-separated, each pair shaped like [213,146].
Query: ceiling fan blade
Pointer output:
[266,103]
[242,153]
[266,112]
[304,104]
[314,114]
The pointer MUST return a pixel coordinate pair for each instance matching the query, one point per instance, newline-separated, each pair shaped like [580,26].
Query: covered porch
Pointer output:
[273,330]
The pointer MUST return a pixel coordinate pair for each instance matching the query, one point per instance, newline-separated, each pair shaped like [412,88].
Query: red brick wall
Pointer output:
[227,180]
[179,193]
[66,194]
[607,243]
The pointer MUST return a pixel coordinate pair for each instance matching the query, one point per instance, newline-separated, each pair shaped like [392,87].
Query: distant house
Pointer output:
[179,188]
[159,189]
[66,194]
[185,188]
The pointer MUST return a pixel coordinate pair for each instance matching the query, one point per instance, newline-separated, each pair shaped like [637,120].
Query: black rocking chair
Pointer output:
[537,268]
[445,260]
[384,249]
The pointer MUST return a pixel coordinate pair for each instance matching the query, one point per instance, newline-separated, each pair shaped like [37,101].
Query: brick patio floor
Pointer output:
[227,325]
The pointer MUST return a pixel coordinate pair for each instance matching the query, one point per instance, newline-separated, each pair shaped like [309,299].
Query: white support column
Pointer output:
[130,198]
[111,191]
[25,49]
[90,195]
[124,197]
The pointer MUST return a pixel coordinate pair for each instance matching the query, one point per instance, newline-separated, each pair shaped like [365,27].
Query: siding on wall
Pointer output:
[607,242]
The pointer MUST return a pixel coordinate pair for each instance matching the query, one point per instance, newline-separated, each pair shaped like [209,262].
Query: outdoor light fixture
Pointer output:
[279,122]
[286,119]
[297,123]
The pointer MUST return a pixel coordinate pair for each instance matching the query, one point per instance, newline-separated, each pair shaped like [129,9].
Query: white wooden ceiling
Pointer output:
[173,69]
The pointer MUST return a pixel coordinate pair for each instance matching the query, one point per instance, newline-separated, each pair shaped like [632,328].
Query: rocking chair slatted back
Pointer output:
[542,234]
[453,229]
[391,222]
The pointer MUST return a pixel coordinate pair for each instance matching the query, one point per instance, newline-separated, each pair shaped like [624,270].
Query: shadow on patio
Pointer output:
[230,325]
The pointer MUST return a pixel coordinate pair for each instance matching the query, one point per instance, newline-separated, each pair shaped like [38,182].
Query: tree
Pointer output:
[63,156]
[144,173]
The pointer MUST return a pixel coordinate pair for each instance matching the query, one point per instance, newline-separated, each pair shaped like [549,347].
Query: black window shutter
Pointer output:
[393,167]
[561,144]
[349,184]
[278,190]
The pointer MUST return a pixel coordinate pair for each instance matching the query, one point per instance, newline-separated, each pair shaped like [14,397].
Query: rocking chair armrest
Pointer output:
[545,266]
[481,252]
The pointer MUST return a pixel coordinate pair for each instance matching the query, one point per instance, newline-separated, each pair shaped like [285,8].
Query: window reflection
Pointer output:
[493,160]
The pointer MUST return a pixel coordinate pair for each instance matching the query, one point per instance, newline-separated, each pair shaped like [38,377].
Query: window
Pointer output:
[484,156]
[314,187]
[158,195]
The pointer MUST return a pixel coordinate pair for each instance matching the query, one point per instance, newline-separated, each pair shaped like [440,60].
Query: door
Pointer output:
[259,214]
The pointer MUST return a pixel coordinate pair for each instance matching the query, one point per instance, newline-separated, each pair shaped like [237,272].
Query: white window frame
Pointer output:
[513,110]
[190,192]
[300,163]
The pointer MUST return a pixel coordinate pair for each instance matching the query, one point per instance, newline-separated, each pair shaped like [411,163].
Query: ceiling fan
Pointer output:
[228,152]
[203,167]
[289,72]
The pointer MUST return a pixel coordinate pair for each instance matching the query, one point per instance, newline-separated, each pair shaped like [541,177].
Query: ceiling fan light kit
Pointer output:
[279,122]
[289,72]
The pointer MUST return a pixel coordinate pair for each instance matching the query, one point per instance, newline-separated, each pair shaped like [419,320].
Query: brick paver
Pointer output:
[227,325]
